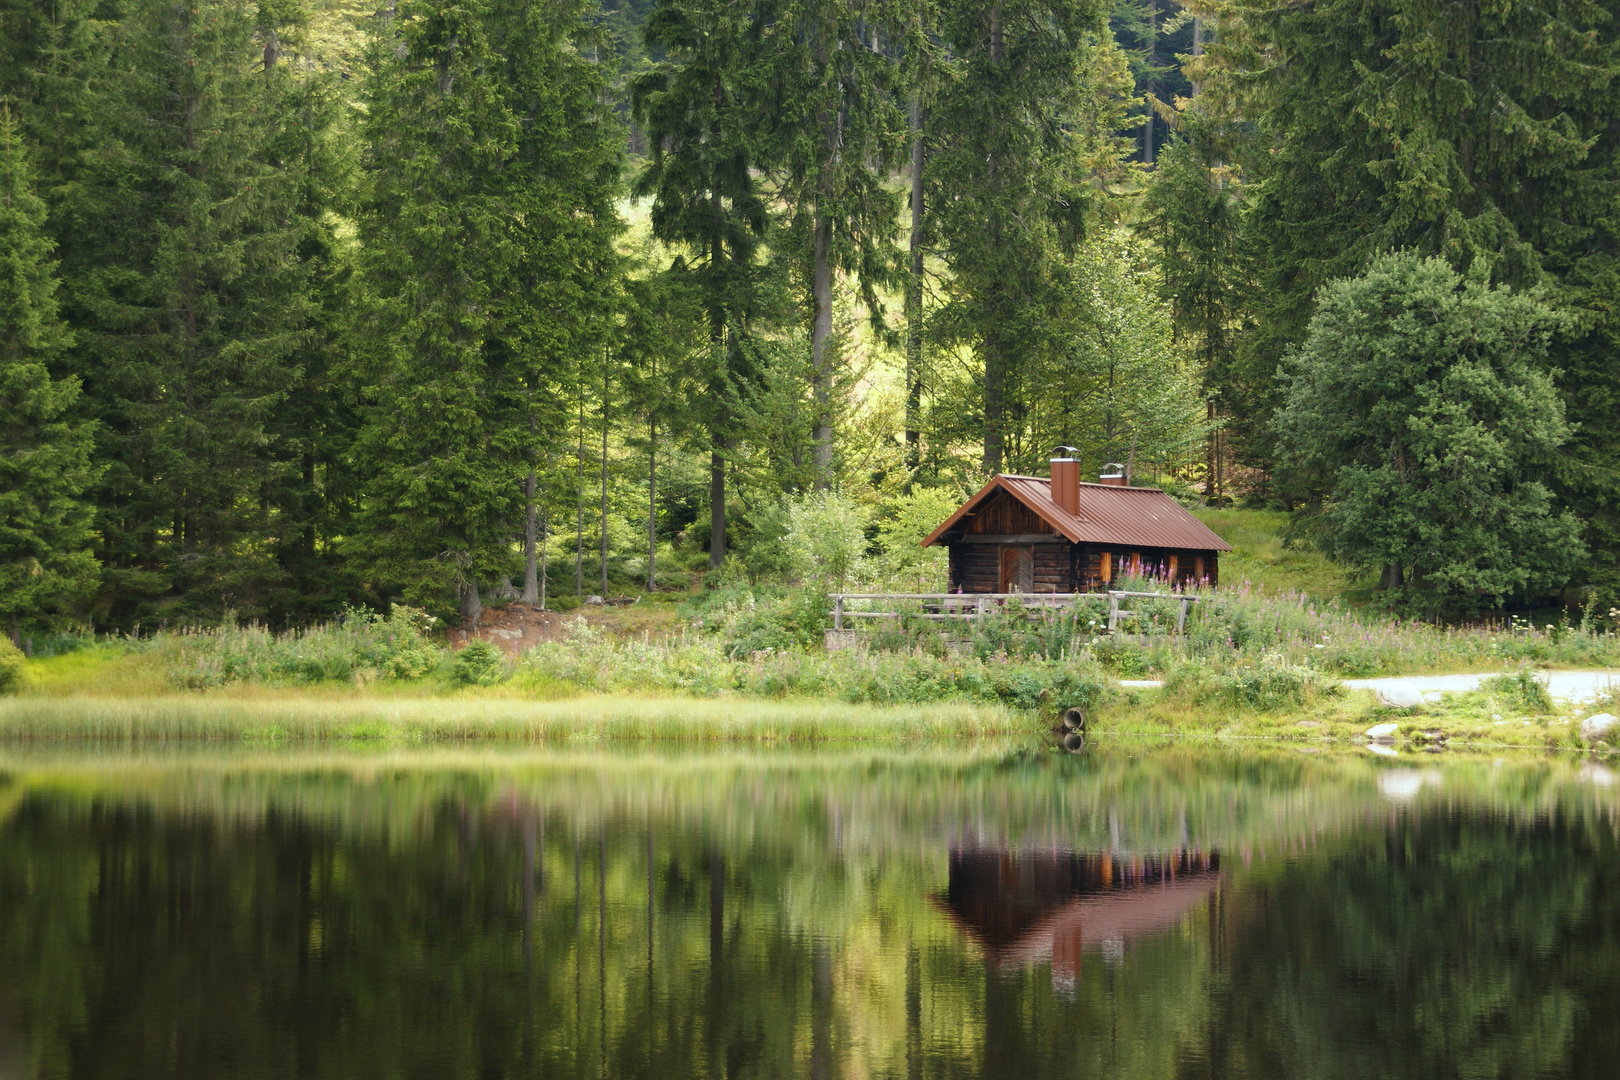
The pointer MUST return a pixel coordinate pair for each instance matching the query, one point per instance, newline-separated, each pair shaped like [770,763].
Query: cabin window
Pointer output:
[1106,566]
[1172,569]
[1136,564]
[1198,568]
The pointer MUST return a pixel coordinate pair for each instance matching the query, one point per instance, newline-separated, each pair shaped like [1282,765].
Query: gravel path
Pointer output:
[1574,686]
[1563,685]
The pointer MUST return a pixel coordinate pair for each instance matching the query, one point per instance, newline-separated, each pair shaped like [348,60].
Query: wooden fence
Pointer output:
[975,606]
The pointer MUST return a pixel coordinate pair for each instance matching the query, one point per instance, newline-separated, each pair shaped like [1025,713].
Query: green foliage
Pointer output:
[478,663]
[826,540]
[1519,691]
[903,523]
[1272,685]
[488,228]
[13,667]
[179,226]
[1419,410]
[1111,382]
[1019,132]
[45,462]
[704,666]
[361,647]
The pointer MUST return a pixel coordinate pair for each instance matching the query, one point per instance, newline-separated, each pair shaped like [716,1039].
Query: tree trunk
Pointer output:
[531,575]
[717,508]
[1211,495]
[652,505]
[472,608]
[995,404]
[995,382]
[914,290]
[1152,59]
[1130,464]
[604,538]
[544,522]
[1393,576]
[579,506]
[820,336]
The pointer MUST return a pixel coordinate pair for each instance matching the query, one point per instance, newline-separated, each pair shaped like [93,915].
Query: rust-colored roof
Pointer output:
[1144,517]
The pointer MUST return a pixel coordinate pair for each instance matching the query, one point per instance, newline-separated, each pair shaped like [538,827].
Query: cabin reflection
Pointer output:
[1022,907]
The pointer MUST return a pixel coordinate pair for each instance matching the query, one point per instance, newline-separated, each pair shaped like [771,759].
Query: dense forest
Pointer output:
[306,306]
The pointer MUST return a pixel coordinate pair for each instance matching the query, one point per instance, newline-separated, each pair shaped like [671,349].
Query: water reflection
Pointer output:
[976,912]
[1027,907]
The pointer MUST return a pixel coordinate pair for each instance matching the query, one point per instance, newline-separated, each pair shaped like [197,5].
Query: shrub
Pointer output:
[13,667]
[478,664]
[1519,691]
[361,645]
[826,539]
[1270,686]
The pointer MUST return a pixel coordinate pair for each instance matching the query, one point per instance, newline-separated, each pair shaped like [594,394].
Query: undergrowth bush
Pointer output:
[13,667]
[478,664]
[1270,686]
[1518,691]
[703,665]
[361,646]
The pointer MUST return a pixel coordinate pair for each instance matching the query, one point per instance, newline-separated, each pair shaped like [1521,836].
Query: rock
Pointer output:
[1397,697]
[594,599]
[1598,727]
[1309,724]
[1383,731]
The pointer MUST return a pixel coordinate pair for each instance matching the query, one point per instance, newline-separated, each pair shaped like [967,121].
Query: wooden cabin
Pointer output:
[1055,534]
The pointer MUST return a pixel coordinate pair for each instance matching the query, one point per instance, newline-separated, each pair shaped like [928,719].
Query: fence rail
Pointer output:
[975,606]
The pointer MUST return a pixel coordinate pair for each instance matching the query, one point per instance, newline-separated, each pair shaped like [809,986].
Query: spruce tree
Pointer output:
[488,278]
[1484,134]
[45,465]
[184,282]
[829,81]
[701,175]
[1022,123]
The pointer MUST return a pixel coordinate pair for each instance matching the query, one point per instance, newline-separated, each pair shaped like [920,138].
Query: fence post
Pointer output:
[1181,619]
[1113,611]
[838,612]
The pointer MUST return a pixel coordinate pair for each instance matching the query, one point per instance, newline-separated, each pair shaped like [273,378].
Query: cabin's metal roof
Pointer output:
[1109,514]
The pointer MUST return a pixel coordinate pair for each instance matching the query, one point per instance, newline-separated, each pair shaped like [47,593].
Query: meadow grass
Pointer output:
[1260,557]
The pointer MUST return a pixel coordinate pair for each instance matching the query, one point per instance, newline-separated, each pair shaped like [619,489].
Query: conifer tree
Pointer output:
[488,277]
[44,453]
[1480,133]
[1022,123]
[184,282]
[829,82]
[706,202]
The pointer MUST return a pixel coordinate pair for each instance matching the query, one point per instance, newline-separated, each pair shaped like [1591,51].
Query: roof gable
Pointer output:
[1109,514]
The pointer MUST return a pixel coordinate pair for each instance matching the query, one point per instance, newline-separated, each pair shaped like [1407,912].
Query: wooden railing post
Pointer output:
[1181,617]
[1113,611]
[838,612]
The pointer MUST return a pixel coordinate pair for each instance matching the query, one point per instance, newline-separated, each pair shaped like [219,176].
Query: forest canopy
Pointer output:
[306,305]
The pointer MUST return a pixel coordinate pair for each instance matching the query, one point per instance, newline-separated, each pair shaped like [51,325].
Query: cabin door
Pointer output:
[1017,569]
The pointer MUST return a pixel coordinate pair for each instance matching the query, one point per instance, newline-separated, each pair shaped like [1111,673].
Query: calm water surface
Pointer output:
[989,911]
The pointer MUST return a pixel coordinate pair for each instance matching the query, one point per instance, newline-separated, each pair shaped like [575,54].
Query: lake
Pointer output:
[1138,911]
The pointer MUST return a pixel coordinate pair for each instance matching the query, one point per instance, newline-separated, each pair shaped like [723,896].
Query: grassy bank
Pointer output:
[370,716]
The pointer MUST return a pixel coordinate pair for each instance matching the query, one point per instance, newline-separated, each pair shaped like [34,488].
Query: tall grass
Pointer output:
[189,717]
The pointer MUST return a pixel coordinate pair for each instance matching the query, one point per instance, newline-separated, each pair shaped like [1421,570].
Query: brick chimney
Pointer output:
[1066,479]
[1113,474]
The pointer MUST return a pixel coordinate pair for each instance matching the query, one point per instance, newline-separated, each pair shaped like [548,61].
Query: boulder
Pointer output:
[1383,731]
[1396,696]
[594,600]
[1599,727]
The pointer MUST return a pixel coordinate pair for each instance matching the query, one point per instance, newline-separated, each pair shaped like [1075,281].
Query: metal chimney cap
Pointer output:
[1072,455]
[1113,468]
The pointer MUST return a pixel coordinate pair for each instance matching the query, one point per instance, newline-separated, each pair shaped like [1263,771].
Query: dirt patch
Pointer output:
[517,627]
